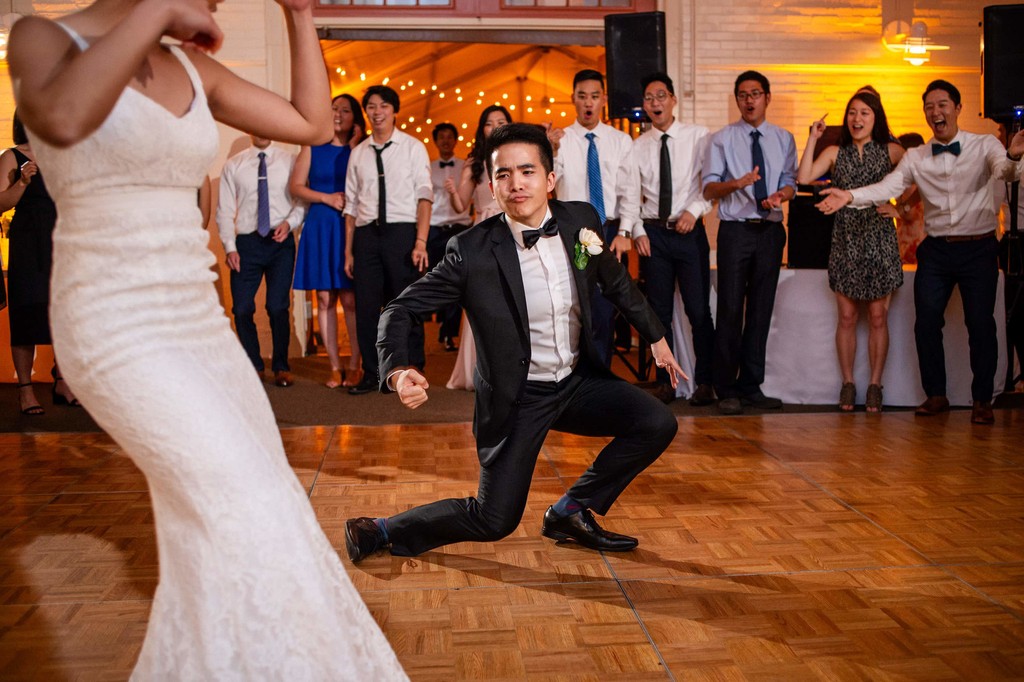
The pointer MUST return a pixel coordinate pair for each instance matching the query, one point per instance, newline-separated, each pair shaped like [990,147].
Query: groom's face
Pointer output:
[520,183]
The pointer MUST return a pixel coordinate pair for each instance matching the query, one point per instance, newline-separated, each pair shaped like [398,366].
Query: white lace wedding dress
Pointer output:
[250,588]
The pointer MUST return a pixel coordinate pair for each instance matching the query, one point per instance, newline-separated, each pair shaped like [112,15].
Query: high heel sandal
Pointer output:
[847,397]
[873,402]
[60,398]
[352,377]
[31,410]
[336,379]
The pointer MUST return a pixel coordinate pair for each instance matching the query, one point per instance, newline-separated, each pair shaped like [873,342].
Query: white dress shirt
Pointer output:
[237,203]
[956,190]
[552,305]
[619,180]
[406,179]
[442,212]
[687,145]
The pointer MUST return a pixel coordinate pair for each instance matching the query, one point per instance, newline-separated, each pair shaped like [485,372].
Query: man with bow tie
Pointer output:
[445,221]
[954,175]
[525,278]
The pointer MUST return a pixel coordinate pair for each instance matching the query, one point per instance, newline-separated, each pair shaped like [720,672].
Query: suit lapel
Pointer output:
[508,262]
[569,231]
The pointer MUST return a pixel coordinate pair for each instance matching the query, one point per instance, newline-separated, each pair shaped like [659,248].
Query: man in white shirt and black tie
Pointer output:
[445,221]
[594,163]
[388,197]
[670,156]
[953,174]
[255,217]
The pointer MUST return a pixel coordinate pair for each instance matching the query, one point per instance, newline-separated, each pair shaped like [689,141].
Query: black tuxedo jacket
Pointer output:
[481,272]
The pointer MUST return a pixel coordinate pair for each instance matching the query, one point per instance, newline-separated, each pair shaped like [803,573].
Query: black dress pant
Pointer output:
[970,265]
[682,259]
[437,241]
[749,260]
[603,313]
[584,403]
[383,269]
[262,258]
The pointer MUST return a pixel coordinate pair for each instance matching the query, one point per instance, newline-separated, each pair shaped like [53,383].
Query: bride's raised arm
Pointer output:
[307,118]
[64,94]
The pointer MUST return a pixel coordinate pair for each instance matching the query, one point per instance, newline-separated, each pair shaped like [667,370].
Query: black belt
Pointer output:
[452,226]
[754,221]
[968,237]
[658,222]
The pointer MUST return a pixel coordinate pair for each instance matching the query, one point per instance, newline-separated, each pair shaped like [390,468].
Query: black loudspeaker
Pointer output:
[809,233]
[1003,61]
[634,47]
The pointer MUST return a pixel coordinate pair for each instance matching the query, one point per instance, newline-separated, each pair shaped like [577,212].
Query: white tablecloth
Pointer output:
[802,367]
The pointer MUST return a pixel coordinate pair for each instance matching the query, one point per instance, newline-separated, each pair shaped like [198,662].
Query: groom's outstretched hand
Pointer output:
[663,358]
[411,387]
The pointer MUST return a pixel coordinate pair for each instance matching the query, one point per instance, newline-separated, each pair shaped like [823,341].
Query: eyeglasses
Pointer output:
[660,96]
[751,96]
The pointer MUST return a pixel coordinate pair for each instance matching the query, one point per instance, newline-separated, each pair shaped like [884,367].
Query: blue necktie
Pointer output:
[594,178]
[953,149]
[760,187]
[262,198]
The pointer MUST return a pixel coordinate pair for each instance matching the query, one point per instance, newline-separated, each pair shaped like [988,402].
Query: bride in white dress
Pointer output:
[249,586]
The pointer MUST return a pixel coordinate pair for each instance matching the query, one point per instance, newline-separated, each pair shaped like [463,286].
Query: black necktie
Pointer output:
[760,187]
[382,193]
[549,229]
[665,182]
[446,164]
[953,149]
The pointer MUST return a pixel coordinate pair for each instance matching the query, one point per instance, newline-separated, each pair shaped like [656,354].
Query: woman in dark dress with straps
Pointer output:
[28,269]
[864,263]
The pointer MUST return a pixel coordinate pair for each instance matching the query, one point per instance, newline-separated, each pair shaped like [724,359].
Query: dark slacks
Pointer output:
[749,259]
[437,239]
[262,258]
[603,313]
[683,259]
[970,265]
[383,268]
[584,403]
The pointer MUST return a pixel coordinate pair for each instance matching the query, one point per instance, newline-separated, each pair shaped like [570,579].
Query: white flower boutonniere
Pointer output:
[588,244]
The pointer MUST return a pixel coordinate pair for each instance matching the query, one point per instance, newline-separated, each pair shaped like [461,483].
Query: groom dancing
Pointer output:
[527,295]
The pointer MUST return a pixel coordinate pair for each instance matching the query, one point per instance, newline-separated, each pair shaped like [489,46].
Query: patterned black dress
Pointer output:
[864,263]
[30,262]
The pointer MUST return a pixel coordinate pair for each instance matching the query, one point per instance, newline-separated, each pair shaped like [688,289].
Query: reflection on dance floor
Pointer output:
[792,546]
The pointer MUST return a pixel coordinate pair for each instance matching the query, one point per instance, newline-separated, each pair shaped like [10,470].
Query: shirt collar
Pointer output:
[517,228]
[393,138]
[959,137]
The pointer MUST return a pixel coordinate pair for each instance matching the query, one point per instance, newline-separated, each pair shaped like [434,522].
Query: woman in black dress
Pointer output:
[28,267]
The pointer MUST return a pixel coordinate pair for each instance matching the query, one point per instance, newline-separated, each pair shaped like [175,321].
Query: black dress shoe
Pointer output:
[283,379]
[449,344]
[367,385]
[730,406]
[664,392]
[583,529]
[702,396]
[761,401]
[363,538]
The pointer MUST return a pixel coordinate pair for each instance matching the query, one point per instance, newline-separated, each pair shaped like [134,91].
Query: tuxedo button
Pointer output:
[522,362]
[516,403]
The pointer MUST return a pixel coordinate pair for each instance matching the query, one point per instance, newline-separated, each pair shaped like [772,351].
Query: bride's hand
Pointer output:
[296,5]
[191,22]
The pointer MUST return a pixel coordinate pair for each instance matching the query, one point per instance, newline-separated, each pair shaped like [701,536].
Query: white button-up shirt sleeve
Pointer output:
[227,205]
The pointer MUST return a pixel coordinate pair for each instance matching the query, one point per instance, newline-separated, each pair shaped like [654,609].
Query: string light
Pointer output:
[547,111]
[464,126]
[440,95]
[387,79]
[362,76]
[459,98]
[511,107]
[433,87]
[479,101]
[409,84]
[504,95]
[462,137]
[458,91]
[423,91]
[529,110]
[529,98]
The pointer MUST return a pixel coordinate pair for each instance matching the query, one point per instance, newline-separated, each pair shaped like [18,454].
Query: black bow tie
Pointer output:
[447,164]
[953,149]
[549,229]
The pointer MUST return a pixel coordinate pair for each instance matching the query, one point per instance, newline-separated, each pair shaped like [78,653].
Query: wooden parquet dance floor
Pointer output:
[785,547]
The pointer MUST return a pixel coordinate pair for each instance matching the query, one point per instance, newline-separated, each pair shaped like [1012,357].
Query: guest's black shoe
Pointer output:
[367,385]
[664,392]
[981,413]
[283,379]
[761,401]
[363,538]
[730,406]
[582,528]
[702,396]
[449,344]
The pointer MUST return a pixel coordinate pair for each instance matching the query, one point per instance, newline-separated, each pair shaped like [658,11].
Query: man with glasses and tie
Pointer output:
[388,199]
[445,221]
[750,168]
[954,175]
[670,156]
[594,163]
[255,218]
